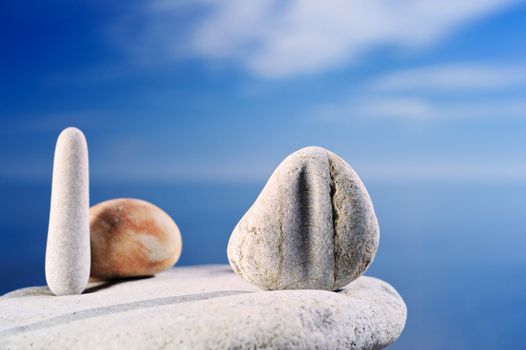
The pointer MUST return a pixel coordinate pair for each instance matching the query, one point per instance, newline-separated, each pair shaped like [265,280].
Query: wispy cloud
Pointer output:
[418,108]
[271,38]
[444,92]
[452,77]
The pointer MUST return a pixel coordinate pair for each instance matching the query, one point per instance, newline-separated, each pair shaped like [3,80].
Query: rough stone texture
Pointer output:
[131,237]
[206,307]
[313,226]
[68,246]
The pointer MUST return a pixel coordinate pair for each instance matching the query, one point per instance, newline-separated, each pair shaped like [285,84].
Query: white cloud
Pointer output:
[272,38]
[452,77]
[442,92]
[418,108]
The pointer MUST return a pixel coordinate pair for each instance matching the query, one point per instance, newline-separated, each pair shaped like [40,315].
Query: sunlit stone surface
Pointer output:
[207,307]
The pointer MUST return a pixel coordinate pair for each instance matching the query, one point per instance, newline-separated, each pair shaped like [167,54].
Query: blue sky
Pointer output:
[221,91]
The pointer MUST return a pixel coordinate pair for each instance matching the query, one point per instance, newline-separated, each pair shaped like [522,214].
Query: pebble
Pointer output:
[68,245]
[132,237]
[313,226]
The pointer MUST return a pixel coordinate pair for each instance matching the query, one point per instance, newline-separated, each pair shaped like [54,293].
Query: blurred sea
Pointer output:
[456,253]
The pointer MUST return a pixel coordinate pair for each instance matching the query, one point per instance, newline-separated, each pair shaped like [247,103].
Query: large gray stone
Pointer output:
[313,226]
[68,240]
[206,307]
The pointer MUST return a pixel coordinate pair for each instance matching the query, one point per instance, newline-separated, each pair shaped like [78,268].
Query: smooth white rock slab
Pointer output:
[68,241]
[206,307]
[312,226]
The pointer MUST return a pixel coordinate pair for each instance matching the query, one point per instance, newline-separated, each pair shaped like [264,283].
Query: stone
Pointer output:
[313,226]
[68,246]
[132,237]
[205,307]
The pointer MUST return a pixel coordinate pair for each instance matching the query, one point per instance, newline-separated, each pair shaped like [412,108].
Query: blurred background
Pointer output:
[192,104]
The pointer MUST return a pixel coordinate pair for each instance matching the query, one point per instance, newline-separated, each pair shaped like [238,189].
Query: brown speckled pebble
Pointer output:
[131,237]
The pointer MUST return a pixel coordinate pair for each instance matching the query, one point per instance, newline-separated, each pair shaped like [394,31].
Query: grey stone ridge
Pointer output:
[205,307]
[312,226]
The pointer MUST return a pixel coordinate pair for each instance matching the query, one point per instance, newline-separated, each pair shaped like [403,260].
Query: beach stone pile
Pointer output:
[119,238]
[298,255]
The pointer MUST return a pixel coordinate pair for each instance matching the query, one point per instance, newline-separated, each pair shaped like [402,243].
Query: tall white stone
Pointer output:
[68,242]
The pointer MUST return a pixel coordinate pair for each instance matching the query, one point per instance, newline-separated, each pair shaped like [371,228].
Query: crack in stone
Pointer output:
[304,202]
[335,216]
